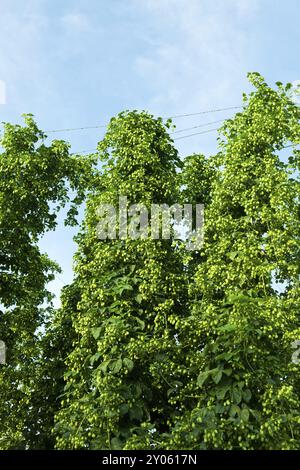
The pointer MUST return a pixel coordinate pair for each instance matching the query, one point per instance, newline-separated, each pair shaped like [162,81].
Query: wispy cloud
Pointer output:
[76,22]
[203,51]
[246,8]
[21,66]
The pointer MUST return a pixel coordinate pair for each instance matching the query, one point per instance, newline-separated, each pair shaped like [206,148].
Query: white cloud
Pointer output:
[76,22]
[246,8]
[201,53]
[21,66]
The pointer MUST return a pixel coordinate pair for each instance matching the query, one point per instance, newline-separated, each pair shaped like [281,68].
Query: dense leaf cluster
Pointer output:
[155,346]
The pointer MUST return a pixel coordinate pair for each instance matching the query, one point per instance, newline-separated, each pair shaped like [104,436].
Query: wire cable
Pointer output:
[71,129]
[177,138]
[203,112]
[80,152]
[196,127]
[76,129]
[196,133]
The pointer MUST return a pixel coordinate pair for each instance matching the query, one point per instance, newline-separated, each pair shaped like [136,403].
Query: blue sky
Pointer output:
[77,63]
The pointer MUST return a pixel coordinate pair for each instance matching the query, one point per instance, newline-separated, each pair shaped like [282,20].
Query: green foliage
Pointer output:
[132,298]
[33,177]
[155,346]
[242,390]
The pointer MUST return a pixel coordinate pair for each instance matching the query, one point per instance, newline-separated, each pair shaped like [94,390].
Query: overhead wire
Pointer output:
[177,138]
[80,152]
[196,133]
[71,129]
[176,116]
[203,112]
[196,127]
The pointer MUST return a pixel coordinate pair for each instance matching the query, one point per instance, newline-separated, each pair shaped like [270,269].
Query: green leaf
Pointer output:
[175,387]
[124,408]
[128,363]
[234,410]
[247,395]
[236,395]
[136,412]
[229,327]
[224,356]
[217,376]
[70,373]
[220,408]
[95,358]
[140,322]
[116,366]
[104,365]
[96,332]
[245,415]
[202,378]
[233,254]
[221,392]
[116,444]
